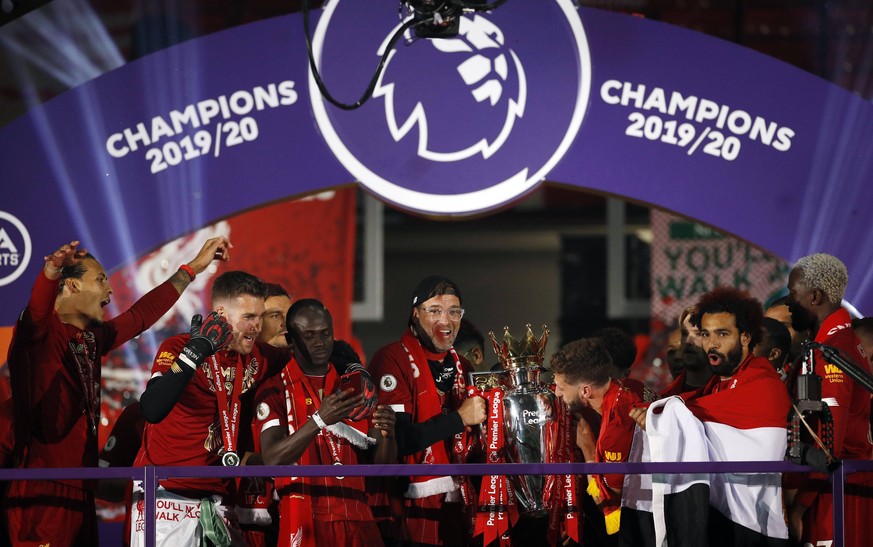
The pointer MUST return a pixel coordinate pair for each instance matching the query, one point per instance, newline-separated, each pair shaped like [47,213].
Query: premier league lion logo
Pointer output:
[454,125]
[485,77]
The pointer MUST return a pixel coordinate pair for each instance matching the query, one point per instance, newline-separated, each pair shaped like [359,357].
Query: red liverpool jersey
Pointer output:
[191,434]
[333,499]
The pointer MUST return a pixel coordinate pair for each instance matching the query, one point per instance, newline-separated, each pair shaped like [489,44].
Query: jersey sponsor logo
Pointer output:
[612,456]
[832,369]
[165,359]
[833,374]
[388,383]
[263,411]
[454,125]
[15,248]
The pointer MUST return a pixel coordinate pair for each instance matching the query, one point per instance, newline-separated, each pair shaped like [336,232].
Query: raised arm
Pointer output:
[154,304]
[167,384]
[33,320]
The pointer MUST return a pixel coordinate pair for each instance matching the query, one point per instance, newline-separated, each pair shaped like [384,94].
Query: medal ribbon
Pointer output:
[85,355]
[464,444]
[565,442]
[229,413]
[561,489]
[497,509]
[332,445]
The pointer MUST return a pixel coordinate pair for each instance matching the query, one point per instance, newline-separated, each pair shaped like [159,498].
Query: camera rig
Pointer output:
[427,18]
[441,18]
[804,446]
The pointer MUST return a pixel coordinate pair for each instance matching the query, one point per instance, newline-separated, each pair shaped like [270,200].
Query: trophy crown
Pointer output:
[520,353]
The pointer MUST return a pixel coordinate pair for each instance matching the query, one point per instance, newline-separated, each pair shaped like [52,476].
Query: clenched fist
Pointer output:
[472,411]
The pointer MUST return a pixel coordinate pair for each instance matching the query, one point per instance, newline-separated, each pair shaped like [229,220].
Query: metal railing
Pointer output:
[150,476]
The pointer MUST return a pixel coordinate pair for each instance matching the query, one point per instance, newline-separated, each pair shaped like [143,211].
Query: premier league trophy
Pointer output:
[528,412]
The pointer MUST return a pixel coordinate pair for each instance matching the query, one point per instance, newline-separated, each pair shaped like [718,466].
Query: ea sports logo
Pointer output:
[456,125]
[15,248]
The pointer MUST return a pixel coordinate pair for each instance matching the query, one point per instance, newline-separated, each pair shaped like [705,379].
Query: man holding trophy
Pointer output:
[424,380]
[584,379]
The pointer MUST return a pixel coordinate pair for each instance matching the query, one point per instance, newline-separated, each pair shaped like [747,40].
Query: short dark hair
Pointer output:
[469,335]
[747,311]
[274,289]
[620,345]
[583,360]
[777,335]
[76,271]
[237,283]
[302,304]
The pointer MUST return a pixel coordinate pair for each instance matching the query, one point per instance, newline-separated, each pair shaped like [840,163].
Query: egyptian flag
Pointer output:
[742,418]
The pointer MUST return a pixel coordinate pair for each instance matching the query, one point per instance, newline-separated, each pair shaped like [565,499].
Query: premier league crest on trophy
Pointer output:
[519,429]
[528,410]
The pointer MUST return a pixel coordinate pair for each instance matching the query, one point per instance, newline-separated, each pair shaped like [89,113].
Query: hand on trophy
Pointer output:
[472,411]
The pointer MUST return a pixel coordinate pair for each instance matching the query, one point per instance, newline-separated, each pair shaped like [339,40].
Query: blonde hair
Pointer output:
[826,273]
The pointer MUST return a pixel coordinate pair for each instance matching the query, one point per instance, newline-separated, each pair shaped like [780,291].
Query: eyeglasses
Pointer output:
[435,312]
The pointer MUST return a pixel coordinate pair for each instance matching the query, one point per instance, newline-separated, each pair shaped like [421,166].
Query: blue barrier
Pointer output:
[150,476]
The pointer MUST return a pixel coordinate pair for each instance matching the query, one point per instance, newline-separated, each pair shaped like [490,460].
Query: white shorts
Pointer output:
[177,520]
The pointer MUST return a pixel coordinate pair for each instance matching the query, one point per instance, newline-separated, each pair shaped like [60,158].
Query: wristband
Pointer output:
[318,421]
[188,360]
[188,270]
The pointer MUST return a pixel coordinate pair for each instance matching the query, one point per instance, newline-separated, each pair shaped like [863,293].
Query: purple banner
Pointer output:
[533,91]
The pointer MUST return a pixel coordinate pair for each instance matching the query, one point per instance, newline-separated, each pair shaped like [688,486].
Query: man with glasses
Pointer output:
[423,379]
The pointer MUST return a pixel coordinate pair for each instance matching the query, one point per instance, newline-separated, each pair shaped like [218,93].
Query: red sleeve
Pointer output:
[142,315]
[393,373]
[167,353]
[614,442]
[837,386]
[269,408]
[33,323]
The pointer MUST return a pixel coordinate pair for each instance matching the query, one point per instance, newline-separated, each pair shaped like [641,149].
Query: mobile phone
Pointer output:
[351,382]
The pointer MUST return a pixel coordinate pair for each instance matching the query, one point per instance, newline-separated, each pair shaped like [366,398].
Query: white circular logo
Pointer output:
[263,411]
[388,383]
[15,248]
[457,125]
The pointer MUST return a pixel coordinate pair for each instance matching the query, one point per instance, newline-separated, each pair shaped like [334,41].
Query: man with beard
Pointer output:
[304,418]
[193,404]
[54,365]
[739,415]
[424,380]
[255,506]
[816,287]
[690,367]
[584,379]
